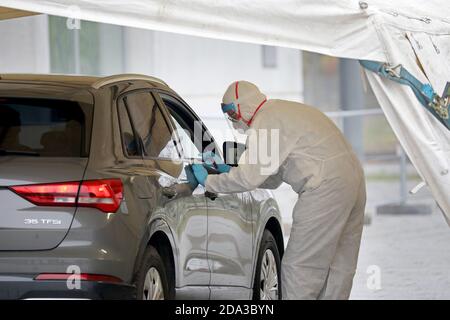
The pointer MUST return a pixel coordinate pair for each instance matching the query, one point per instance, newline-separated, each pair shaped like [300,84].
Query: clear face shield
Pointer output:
[234,119]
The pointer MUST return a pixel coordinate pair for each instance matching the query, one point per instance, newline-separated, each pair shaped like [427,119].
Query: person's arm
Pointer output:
[249,176]
[237,179]
[272,182]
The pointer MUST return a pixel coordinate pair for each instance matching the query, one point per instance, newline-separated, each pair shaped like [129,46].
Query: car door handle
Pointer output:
[211,195]
[169,192]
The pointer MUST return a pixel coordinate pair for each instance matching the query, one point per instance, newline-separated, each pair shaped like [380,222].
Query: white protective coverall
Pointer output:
[315,159]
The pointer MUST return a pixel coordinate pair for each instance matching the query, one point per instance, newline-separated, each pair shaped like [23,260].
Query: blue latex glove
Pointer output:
[214,161]
[200,173]
[191,177]
[223,168]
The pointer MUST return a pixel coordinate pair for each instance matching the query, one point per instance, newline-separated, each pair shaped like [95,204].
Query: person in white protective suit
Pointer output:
[316,160]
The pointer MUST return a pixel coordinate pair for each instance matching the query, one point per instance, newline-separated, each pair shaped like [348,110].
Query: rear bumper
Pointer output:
[25,287]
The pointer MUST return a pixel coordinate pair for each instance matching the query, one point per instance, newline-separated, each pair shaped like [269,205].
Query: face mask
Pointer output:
[233,119]
[233,113]
[240,126]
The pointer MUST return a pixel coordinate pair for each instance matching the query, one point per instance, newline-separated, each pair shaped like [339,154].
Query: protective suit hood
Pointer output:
[247,97]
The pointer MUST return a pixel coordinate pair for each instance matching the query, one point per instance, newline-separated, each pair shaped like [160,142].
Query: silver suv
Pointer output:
[95,201]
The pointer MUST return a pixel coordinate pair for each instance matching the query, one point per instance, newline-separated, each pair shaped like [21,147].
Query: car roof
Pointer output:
[80,80]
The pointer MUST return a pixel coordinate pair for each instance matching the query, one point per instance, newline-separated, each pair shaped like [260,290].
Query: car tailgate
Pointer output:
[23,225]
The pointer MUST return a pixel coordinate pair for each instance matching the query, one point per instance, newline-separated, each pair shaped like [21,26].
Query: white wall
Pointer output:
[201,69]
[111,57]
[24,45]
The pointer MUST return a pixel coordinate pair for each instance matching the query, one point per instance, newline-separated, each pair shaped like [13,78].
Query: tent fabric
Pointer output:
[425,139]
[333,27]
[411,32]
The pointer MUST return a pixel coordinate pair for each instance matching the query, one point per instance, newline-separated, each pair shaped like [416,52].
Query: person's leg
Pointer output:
[342,270]
[319,218]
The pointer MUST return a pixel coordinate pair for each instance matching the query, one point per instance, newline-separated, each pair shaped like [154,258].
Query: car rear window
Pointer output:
[44,127]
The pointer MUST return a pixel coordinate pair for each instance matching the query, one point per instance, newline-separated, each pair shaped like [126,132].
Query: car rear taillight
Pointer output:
[105,195]
[82,277]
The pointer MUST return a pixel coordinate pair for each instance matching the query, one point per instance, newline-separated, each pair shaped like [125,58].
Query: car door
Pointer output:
[230,245]
[174,202]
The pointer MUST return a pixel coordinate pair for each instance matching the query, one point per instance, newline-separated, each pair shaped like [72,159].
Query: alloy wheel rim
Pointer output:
[269,277]
[153,288]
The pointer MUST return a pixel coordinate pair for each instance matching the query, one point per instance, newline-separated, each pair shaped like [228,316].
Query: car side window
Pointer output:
[150,126]
[186,128]
[129,140]
[190,151]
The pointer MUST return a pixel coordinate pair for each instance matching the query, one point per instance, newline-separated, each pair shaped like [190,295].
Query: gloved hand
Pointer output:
[214,161]
[193,183]
[200,173]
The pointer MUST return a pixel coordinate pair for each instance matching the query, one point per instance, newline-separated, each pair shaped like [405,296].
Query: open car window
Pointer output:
[190,151]
[190,130]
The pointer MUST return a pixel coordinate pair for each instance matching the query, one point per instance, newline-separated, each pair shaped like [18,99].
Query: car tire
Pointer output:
[152,280]
[269,261]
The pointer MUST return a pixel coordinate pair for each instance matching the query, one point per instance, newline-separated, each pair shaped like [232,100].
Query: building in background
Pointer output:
[199,69]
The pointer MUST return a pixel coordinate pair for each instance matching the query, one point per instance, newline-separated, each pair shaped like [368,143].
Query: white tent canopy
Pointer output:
[415,34]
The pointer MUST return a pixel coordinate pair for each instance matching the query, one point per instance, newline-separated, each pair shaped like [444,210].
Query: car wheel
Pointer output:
[268,267]
[152,279]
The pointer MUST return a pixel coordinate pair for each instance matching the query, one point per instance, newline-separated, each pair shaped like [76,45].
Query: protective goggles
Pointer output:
[231,110]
